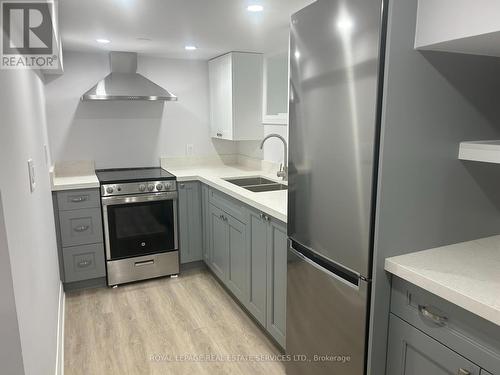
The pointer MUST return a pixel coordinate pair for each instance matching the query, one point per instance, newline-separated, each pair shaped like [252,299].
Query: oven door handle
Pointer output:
[127,199]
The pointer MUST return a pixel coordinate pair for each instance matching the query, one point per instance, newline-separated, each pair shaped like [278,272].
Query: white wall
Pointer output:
[273,148]
[124,134]
[11,356]
[29,220]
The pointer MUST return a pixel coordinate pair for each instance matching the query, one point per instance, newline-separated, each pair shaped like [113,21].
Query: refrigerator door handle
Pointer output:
[361,286]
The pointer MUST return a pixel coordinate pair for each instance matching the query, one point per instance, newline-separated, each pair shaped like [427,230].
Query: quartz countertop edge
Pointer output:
[59,183]
[466,274]
[271,203]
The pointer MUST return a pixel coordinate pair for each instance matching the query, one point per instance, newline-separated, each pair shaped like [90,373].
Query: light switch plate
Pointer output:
[31,173]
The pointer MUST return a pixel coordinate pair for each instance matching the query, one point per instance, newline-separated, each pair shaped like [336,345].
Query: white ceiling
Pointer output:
[214,26]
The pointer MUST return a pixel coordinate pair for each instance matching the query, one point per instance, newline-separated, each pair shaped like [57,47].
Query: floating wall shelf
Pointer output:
[485,151]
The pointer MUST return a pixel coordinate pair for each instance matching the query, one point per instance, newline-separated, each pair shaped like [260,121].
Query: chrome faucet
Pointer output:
[283,172]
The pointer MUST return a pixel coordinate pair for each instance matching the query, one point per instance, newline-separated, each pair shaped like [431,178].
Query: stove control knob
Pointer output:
[159,186]
[142,187]
[151,187]
[109,189]
[168,185]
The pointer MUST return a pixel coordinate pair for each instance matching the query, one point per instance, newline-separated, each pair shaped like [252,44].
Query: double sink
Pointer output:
[257,184]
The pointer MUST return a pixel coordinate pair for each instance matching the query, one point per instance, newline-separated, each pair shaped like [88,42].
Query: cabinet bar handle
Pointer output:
[81,228]
[84,263]
[144,263]
[78,199]
[434,318]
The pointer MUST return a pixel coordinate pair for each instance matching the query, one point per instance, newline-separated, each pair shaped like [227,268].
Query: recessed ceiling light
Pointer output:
[255,8]
[190,48]
[102,41]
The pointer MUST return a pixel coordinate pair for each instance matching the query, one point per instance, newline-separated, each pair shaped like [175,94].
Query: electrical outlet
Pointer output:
[189,149]
[31,173]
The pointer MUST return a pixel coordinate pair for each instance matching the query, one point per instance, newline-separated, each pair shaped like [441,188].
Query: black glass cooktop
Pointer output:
[124,175]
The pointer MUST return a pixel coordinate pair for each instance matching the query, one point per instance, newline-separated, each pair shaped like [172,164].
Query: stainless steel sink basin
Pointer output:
[257,184]
[263,188]
[250,181]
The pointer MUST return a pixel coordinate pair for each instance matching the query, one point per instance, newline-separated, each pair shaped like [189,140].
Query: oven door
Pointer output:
[140,225]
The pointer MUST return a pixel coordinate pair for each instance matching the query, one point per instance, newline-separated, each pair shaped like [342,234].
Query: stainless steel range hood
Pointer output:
[124,83]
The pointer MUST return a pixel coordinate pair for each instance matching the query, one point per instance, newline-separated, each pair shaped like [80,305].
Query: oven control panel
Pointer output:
[145,187]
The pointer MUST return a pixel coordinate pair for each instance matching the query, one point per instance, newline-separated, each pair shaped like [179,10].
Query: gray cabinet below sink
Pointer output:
[246,249]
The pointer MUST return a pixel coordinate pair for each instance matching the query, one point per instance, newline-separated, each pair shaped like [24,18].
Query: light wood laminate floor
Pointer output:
[118,331]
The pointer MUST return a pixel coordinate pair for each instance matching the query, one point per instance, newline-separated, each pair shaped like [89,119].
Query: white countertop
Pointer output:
[75,182]
[273,203]
[466,274]
[73,175]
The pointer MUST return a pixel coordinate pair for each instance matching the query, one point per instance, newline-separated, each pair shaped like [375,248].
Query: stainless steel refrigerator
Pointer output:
[336,65]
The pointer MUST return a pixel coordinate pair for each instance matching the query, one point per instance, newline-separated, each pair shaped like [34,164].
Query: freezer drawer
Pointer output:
[326,320]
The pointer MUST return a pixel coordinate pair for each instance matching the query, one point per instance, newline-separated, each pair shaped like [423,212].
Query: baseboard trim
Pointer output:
[60,332]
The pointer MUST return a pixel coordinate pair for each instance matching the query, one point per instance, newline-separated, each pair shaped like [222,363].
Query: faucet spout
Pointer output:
[283,172]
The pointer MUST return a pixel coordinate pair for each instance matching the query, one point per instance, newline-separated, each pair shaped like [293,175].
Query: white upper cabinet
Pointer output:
[235,81]
[463,26]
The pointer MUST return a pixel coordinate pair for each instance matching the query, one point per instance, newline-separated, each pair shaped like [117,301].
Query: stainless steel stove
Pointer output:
[139,208]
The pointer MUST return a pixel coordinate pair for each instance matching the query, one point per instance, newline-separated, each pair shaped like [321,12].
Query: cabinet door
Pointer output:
[257,260]
[412,352]
[219,256]
[221,102]
[237,280]
[81,227]
[83,262]
[276,281]
[190,229]
[206,221]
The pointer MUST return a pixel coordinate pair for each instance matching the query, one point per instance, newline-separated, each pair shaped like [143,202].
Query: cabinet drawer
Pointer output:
[83,262]
[227,204]
[76,199]
[411,351]
[80,227]
[467,334]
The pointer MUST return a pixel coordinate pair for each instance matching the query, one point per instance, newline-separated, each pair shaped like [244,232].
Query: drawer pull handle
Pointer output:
[81,228]
[434,318]
[463,372]
[144,263]
[78,199]
[84,263]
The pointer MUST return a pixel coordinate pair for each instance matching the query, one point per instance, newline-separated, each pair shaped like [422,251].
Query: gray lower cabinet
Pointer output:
[190,222]
[429,335]
[276,280]
[257,261]
[83,262]
[267,257]
[237,271]
[80,227]
[247,251]
[228,251]
[80,238]
[205,222]
[219,256]
[412,352]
